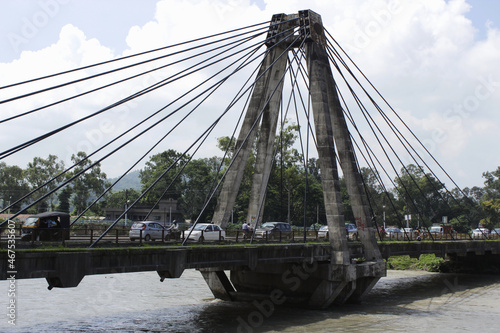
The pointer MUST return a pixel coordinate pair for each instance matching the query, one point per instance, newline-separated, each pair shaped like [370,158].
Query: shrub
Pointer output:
[429,262]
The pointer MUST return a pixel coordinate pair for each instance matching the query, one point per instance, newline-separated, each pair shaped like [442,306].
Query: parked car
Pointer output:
[441,229]
[274,230]
[323,232]
[410,233]
[394,233]
[150,231]
[480,233]
[351,231]
[46,227]
[205,231]
[495,233]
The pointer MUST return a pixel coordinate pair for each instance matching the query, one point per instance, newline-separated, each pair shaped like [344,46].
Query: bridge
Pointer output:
[297,273]
[296,46]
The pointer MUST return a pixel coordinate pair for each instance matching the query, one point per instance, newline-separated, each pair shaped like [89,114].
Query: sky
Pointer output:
[435,61]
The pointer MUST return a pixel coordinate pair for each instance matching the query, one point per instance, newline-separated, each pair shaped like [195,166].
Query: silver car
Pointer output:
[274,230]
[394,233]
[147,230]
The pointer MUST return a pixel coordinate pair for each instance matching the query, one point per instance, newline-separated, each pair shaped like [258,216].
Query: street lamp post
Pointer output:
[384,215]
[126,208]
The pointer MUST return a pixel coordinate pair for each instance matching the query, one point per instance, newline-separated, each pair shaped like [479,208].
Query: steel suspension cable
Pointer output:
[395,113]
[133,55]
[132,77]
[137,94]
[123,144]
[252,128]
[220,82]
[370,121]
[399,135]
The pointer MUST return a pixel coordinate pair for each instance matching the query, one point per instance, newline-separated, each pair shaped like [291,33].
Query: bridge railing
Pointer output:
[120,236]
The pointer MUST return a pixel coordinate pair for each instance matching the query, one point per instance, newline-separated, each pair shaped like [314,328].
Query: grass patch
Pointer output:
[426,262]
[430,263]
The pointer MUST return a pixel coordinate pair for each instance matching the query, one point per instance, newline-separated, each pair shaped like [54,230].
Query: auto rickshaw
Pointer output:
[48,226]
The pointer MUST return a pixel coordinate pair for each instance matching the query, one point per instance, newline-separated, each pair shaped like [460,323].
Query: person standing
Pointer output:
[246,230]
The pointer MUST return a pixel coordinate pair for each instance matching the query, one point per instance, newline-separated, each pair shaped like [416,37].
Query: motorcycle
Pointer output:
[172,234]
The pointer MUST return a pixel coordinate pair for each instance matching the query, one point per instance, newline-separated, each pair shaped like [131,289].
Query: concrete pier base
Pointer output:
[313,285]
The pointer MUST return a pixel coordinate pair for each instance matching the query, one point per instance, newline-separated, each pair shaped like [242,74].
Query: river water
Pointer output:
[138,302]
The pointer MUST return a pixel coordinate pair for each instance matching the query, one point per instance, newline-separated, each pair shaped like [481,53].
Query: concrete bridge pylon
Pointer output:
[317,284]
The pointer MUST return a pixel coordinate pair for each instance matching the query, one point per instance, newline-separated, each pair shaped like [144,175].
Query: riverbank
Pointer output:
[431,263]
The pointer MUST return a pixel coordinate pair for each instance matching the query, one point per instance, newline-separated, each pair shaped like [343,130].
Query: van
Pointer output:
[46,226]
[436,229]
[441,229]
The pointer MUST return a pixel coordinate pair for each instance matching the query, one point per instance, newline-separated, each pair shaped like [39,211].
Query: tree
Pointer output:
[120,198]
[38,174]
[64,198]
[492,209]
[381,201]
[13,185]
[287,189]
[153,175]
[198,181]
[89,184]
[421,194]
[492,184]
[466,210]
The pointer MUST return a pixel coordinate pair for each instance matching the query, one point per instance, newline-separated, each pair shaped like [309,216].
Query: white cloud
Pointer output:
[422,55]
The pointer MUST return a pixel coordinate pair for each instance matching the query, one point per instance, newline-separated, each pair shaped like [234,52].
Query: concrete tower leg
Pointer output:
[265,101]
[316,284]
[265,146]
[331,127]
[326,155]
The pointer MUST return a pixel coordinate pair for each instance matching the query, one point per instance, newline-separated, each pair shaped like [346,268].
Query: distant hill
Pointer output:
[131,180]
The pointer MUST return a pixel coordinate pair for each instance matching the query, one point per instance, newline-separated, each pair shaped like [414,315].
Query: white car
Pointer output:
[323,232]
[205,231]
[495,233]
[480,233]
[147,230]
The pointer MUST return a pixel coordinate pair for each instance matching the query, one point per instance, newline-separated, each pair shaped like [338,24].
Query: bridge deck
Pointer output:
[172,260]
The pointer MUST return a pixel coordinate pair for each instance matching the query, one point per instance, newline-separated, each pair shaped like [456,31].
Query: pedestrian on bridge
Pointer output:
[246,230]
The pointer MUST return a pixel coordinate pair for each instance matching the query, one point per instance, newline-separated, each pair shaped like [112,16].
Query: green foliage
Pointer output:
[198,179]
[120,198]
[460,224]
[13,185]
[64,198]
[90,183]
[492,184]
[290,187]
[294,192]
[401,262]
[160,174]
[39,173]
[492,210]
[420,194]
[429,262]
[426,262]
